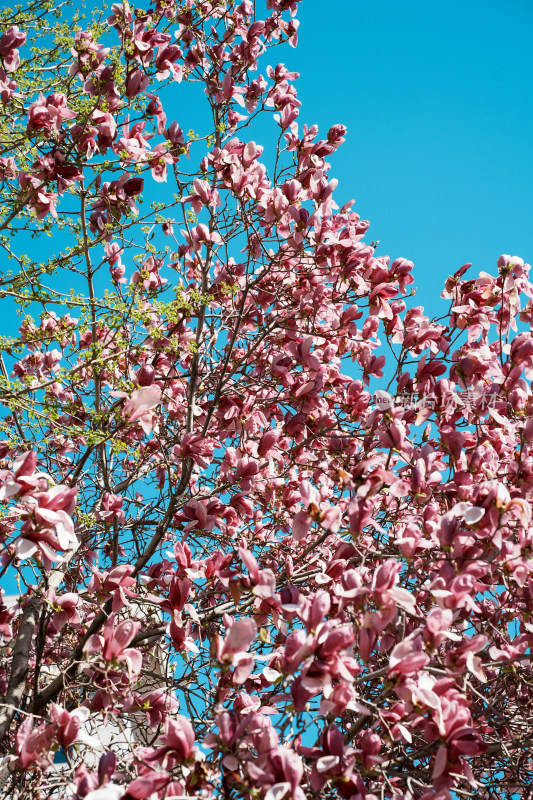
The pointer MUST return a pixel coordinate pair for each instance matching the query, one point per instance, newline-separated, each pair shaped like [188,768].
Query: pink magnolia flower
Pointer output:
[145,375]
[106,127]
[7,91]
[67,723]
[159,159]
[116,268]
[197,447]
[203,195]
[11,40]
[280,776]
[138,406]
[200,235]
[33,744]
[147,784]
[136,81]
[114,643]
[437,626]
[179,736]
[47,526]
[142,400]
[47,113]
[157,705]
[233,650]
[155,109]
[67,605]
[409,656]
[177,743]
[117,583]
[166,63]
[111,508]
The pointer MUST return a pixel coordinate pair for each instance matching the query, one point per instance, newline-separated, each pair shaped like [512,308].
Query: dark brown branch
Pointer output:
[19,664]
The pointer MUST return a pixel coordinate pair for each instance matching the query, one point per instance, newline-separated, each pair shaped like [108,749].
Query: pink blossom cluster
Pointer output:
[240,576]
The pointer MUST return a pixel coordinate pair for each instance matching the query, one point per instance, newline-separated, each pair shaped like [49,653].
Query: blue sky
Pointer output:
[438,103]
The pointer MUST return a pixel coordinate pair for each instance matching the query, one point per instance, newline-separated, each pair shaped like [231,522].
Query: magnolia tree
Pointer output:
[266,527]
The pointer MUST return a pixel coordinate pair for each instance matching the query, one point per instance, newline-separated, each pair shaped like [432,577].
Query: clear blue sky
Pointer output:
[438,103]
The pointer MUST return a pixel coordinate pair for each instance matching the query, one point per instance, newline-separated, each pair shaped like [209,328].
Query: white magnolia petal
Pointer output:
[108,792]
[473,514]
[277,791]
[25,548]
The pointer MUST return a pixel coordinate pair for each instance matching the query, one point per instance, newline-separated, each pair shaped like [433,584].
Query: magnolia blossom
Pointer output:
[139,405]
[114,644]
